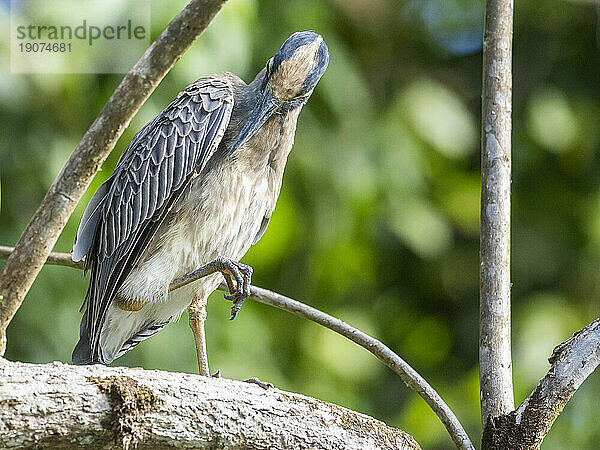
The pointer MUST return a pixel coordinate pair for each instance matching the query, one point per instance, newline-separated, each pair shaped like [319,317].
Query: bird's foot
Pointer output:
[254,380]
[239,291]
[262,384]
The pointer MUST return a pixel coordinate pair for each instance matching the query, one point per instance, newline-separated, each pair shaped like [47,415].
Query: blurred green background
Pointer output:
[378,218]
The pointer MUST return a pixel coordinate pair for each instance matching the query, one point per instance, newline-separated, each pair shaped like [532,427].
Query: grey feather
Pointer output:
[89,222]
[135,340]
[144,198]
[125,213]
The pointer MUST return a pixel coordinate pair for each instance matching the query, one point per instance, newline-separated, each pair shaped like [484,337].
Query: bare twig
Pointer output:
[410,377]
[54,259]
[571,363]
[495,365]
[43,230]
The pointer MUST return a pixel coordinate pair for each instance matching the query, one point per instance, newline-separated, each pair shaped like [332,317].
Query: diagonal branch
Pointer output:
[571,363]
[409,375]
[43,230]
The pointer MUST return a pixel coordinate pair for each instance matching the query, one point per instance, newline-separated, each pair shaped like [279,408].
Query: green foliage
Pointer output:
[378,218]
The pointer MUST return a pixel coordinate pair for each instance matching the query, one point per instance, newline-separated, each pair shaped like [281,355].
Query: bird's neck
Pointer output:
[271,145]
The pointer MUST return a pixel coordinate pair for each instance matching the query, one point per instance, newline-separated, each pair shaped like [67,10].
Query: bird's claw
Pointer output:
[239,291]
[263,384]
[238,300]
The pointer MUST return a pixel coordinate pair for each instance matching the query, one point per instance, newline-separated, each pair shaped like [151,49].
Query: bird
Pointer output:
[195,187]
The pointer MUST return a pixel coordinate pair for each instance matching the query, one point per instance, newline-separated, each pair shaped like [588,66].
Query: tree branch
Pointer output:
[571,363]
[43,230]
[410,377]
[495,364]
[63,406]
[53,259]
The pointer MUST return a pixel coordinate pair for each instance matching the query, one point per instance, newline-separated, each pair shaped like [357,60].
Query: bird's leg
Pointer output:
[197,316]
[238,292]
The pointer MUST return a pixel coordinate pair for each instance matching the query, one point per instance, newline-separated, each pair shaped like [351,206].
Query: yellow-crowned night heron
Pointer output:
[197,185]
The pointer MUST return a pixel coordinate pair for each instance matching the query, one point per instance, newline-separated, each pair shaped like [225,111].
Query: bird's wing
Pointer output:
[151,174]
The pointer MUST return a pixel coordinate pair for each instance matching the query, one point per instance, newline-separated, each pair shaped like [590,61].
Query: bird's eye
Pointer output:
[303,95]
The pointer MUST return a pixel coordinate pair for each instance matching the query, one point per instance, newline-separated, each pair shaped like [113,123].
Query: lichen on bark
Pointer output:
[130,401]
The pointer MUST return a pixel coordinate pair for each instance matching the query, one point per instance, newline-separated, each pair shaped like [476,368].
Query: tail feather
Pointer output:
[139,337]
[122,330]
[82,354]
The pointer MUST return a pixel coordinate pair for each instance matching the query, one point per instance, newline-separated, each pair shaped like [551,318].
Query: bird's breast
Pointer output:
[227,209]
[219,214]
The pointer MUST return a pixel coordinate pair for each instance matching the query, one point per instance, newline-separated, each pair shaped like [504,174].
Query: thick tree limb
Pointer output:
[495,363]
[571,363]
[41,234]
[60,406]
[410,377]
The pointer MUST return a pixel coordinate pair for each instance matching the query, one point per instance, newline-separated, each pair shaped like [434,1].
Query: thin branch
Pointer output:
[43,230]
[495,364]
[410,376]
[571,363]
[54,258]
[95,407]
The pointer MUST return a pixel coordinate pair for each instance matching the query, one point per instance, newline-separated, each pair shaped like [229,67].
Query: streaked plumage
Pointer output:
[199,181]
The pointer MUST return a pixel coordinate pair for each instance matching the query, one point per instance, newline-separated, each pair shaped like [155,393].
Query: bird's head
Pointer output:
[291,76]
[294,71]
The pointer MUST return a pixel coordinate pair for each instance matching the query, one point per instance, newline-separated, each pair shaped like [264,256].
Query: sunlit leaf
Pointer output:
[552,121]
[440,118]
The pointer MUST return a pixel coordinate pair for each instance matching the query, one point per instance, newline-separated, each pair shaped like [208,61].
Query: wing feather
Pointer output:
[136,206]
[151,174]
[179,159]
[162,184]
[144,197]
[89,223]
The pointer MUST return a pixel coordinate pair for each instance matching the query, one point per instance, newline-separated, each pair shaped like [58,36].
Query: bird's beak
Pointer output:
[265,108]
